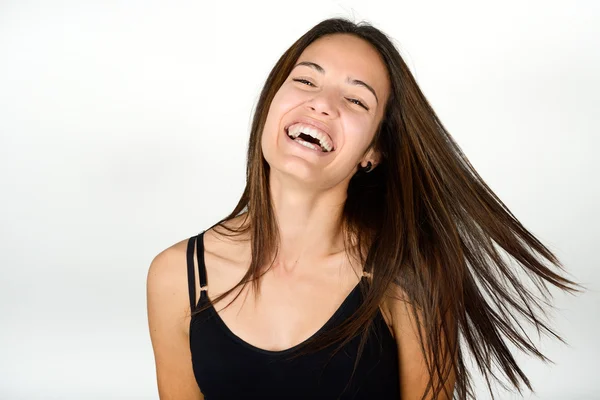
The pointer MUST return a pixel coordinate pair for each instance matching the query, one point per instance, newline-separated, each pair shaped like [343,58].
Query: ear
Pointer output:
[373,156]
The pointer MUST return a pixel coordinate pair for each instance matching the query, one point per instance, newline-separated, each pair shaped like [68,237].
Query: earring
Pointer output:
[367,169]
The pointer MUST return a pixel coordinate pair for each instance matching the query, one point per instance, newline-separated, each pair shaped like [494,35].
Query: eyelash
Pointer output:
[352,100]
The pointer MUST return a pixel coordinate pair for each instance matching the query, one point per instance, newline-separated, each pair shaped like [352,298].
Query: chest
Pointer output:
[286,312]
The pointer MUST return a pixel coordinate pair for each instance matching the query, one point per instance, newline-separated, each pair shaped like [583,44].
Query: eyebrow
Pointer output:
[356,82]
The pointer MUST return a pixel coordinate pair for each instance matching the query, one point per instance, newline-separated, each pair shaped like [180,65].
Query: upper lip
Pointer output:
[317,124]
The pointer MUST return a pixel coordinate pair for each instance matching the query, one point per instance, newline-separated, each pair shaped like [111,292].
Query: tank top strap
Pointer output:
[196,245]
[191,245]
[201,265]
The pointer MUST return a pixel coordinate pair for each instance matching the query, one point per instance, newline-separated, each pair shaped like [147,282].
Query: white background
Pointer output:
[124,125]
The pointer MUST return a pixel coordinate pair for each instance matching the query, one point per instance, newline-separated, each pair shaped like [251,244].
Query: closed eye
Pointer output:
[354,101]
[302,81]
[359,103]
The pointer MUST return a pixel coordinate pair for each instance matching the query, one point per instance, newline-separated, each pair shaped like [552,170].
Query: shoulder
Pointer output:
[169,264]
[166,281]
[403,324]
[168,320]
[396,304]
[392,308]
[407,324]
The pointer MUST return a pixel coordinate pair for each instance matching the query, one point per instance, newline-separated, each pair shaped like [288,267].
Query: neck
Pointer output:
[310,224]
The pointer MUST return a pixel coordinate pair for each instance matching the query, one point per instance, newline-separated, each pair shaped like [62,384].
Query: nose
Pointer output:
[322,103]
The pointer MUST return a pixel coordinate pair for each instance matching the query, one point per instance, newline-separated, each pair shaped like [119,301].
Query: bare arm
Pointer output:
[168,311]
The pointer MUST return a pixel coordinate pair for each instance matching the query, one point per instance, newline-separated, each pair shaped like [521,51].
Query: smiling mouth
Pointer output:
[309,141]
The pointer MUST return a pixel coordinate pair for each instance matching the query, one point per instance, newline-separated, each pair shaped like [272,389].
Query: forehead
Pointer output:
[348,55]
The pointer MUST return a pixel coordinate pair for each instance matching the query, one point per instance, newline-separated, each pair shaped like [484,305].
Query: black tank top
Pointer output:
[227,367]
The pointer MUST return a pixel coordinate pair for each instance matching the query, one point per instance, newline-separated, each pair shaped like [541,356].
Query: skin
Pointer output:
[311,277]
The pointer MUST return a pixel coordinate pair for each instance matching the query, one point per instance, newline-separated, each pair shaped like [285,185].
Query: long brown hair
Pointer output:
[424,224]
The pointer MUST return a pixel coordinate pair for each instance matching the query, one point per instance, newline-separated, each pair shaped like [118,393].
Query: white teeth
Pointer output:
[309,145]
[324,139]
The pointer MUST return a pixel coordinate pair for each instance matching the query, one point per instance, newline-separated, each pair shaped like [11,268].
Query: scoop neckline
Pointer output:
[257,349]
[225,328]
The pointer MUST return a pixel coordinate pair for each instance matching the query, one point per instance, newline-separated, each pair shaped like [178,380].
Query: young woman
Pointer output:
[363,247]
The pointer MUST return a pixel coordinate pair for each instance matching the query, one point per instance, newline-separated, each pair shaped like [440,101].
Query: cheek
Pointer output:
[273,123]
[357,127]
[286,99]
[280,105]
[358,135]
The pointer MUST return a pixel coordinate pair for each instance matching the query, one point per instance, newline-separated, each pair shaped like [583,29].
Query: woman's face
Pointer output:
[324,88]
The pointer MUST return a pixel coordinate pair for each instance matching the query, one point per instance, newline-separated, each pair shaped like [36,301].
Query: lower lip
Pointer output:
[316,152]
